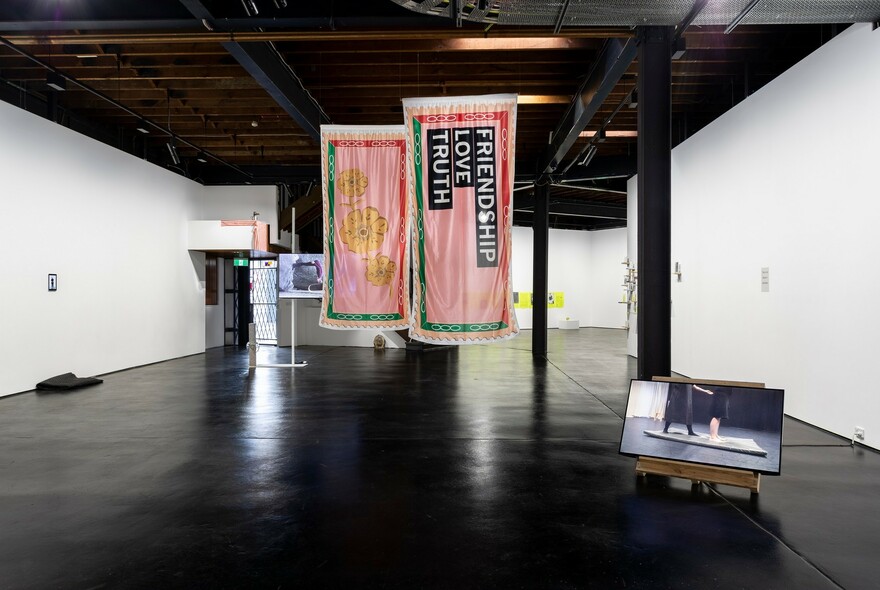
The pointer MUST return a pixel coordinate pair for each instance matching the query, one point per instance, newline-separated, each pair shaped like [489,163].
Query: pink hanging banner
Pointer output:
[461,157]
[365,227]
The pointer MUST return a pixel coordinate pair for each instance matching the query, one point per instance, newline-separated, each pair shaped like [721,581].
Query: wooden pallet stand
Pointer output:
[700,473]
[742,478]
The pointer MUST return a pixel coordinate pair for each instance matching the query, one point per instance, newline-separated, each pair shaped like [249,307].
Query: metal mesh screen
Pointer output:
[264,299]
[580,13]
[813,11]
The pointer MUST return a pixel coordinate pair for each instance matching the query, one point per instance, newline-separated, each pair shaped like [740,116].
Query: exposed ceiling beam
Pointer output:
[262,174]
[610,65]
[691,16]
[99,25]
[594,189]
[601,168]
[404,34]
[267,66]
[526,204]
[147,122]
[561,18]
[220,24]
[741,16]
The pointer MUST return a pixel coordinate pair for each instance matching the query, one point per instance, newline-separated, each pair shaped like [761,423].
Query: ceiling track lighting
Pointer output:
[588,157]
[679,48]
[279,4]
[56,82]
[175,157]
[250,7]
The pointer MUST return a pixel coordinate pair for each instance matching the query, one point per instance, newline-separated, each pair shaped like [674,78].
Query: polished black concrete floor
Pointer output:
[466,468]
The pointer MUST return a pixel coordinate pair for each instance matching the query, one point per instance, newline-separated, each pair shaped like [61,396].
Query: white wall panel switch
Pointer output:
[765,279]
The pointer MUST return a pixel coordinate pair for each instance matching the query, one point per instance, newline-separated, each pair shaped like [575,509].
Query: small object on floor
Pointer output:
[66,382]
[746,446]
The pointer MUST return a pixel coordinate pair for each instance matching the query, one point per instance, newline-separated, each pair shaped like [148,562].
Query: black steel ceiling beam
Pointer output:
[270,174]
[602,167]
[526,204]
[610,65]
[560,20]
[263,62]
[588,188]
[266,65]
[566,222]
[219,24]
[99,25]
[741,16]
[599,133]
[689,18]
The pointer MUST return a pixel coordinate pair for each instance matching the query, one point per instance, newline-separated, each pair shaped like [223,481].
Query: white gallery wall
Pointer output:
[240,202]
[585,266]
[787,180]
[607,253]
[113,228]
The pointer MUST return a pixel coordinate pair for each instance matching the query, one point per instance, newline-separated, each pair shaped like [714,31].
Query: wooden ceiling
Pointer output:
[357,65]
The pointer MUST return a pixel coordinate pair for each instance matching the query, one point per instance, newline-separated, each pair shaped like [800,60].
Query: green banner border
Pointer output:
[331,190]
[420,200]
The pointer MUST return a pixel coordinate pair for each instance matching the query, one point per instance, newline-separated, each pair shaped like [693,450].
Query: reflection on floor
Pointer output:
[467,468]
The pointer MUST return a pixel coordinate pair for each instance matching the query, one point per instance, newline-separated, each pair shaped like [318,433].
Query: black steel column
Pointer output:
[243,286]
[540,255]
[655,189]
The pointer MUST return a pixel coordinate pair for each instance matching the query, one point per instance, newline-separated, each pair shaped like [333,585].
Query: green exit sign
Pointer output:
[240,262]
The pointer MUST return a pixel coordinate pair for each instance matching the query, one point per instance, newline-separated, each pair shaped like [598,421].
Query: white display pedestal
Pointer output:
[569,324]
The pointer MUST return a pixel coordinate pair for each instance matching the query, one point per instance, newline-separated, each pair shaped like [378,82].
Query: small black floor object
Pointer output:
[66,382]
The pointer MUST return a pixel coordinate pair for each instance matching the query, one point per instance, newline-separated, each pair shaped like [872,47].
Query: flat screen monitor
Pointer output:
[725,426]
[301,276]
